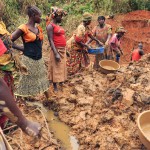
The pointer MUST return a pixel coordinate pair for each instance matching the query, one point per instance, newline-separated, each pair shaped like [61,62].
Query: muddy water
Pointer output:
[61,130]
[146,130]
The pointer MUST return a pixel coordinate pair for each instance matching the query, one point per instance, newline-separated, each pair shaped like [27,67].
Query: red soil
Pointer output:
[137,24]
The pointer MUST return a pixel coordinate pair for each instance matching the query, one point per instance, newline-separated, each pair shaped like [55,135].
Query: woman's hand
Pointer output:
[68,54]
[100,43]
[23,69]
[31,128]
[57,57]
[87,46]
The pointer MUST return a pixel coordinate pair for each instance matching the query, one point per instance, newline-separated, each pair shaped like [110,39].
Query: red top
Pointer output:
[115,41]
[135,55]
[58,36]
[3,49]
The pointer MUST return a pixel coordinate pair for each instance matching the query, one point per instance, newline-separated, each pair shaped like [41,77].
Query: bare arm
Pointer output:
[95,39]
[15,35]
[9,108]
[108,38]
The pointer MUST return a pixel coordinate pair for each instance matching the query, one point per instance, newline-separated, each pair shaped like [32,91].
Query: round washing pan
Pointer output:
[108,66]
[143,122]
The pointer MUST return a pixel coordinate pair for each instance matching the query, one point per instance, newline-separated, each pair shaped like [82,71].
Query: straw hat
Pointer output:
[87,16]
[120,29]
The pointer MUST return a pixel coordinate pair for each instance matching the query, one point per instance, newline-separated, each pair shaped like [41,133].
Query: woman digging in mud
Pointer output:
[114,44]
[57,41]
[9,62]
[35,81]
[77,46]
[9,108]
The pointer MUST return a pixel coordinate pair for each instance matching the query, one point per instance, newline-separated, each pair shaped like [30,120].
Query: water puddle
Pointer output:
[61,130]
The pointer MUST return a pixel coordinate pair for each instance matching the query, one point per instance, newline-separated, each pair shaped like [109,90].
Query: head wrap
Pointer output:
[57,11]
[3,29]
[87,16]
[120,29]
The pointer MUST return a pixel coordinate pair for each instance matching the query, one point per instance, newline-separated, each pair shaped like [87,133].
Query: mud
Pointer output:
[104,115]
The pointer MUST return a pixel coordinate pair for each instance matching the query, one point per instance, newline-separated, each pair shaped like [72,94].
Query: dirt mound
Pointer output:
[102,109]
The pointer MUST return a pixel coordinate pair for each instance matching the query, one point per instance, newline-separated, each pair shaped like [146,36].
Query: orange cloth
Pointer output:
[135,55]
[48,20]
[28,35]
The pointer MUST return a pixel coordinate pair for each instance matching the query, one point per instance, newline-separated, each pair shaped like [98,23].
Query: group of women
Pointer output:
[34,78]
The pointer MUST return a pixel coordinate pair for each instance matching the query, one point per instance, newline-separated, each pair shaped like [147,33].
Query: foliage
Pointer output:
[15,9]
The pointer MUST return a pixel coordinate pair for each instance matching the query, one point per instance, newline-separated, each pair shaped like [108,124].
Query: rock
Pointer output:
[127,97]
[145,98]
[132,80]
[147,89]
[85,100]
[117,95]
[107,116]
[83,115]
[136,87]
[111,77]
[72,99]
[79,89]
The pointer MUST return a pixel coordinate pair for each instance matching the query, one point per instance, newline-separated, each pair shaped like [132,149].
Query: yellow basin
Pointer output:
[144,128]
[108,66]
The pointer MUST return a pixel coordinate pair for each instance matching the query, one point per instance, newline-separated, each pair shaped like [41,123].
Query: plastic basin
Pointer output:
[108,66]
[98,50]
[143,122]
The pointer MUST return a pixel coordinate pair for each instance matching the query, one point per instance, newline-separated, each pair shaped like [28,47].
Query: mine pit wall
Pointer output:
[137,24]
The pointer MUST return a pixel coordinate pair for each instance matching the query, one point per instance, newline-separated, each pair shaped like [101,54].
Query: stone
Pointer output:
[85,100]
[127,97]
[111,77]
[136,87]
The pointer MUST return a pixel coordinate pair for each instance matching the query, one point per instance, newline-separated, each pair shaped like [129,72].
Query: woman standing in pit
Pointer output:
[36,81]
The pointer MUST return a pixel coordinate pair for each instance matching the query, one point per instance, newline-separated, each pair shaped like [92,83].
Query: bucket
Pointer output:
[108,66]
[98,50]
[143,122]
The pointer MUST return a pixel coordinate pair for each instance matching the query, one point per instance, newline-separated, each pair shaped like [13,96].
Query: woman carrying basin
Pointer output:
[77,46]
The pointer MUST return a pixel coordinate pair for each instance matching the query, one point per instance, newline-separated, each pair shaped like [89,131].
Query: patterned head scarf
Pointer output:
[3,29]
[87,16]
[57,11]
[5,35]
[120,29]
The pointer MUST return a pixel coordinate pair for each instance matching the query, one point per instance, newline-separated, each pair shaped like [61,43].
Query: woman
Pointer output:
[57,41]
[115,43]
[77,46]
[9,62]
[35,82]
[9,108]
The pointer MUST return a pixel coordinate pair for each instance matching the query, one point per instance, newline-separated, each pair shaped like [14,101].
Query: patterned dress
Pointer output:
[74,62]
